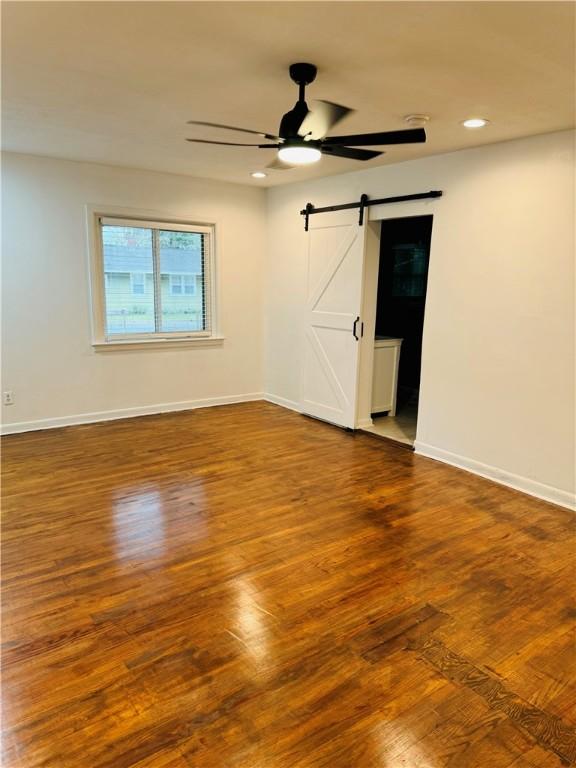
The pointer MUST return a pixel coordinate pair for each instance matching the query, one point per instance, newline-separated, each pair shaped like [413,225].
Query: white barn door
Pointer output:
[332,318]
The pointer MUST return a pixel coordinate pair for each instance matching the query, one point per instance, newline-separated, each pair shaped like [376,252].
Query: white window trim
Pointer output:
[111,214]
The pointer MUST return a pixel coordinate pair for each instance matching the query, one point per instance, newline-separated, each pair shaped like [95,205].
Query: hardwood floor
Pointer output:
[243,587]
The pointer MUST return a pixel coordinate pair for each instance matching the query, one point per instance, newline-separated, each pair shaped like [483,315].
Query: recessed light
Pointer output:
[258,175]
[298,155]
[417,121]
[475,122]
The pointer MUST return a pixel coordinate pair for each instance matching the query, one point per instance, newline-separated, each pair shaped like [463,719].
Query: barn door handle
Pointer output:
[354,328]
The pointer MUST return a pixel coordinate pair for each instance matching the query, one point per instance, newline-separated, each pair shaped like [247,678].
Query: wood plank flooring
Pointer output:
[243,587]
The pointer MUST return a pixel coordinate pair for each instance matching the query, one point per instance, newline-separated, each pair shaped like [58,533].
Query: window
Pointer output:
[156,280]
[183,285]
[176,285]
[138,283]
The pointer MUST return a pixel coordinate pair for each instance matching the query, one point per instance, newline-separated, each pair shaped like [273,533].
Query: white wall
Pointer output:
[497,392]
[48,359]
[497,380]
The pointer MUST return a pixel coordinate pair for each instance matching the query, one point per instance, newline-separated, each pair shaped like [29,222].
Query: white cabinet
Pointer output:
[385,374]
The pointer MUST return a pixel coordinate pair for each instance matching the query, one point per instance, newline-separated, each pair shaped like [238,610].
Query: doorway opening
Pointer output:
[399,325]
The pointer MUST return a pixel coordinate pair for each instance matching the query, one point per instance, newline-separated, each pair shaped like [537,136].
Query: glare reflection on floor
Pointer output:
[251,627]
[139,525]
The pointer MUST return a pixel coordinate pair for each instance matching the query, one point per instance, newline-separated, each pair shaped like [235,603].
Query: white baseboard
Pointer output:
[126,413]
[501,476]
[290,404]
[364,424]
[519,483]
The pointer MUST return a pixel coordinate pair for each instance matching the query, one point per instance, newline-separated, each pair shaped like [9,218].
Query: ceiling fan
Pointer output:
[302,137]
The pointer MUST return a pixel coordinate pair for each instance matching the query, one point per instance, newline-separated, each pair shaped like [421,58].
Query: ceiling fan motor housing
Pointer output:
[292,121]
[303,74]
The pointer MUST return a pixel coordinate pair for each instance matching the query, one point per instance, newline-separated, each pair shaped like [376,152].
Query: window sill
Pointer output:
[114,346]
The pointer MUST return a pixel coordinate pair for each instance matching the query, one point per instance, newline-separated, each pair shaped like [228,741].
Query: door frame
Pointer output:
[376,215]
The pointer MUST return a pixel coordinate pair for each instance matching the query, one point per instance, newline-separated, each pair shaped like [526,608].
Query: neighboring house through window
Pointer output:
[154,278]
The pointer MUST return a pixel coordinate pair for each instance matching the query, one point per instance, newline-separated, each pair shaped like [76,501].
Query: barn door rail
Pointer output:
[363,203]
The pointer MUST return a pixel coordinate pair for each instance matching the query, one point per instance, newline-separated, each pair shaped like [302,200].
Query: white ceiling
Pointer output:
[115,82]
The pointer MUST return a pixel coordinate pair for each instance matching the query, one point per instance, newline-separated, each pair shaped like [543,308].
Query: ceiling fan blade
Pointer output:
[351,153]
[233,128]
[278,165]
[321,118]
[409,136]
[232,143]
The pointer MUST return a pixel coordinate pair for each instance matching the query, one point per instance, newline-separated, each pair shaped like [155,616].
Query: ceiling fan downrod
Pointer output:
[303,74]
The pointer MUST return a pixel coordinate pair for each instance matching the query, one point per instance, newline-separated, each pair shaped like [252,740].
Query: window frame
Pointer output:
[127,217]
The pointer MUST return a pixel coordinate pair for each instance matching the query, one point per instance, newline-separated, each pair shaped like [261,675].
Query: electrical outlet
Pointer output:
[8,397]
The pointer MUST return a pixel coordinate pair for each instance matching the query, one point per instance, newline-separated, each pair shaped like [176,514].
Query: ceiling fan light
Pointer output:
[299,155]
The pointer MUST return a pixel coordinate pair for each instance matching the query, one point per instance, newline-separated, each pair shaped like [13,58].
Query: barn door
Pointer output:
[332,318]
